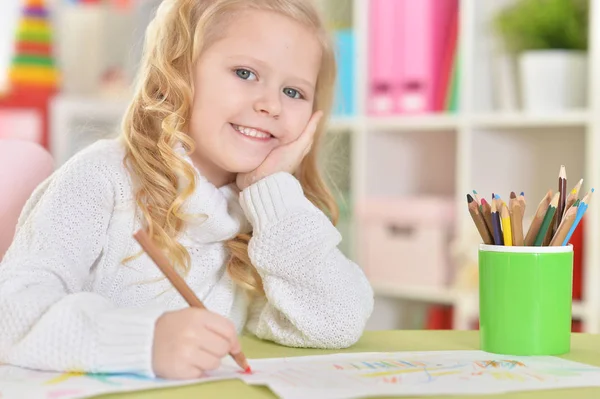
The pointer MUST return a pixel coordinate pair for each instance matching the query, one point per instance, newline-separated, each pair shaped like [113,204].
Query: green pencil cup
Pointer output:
[525,298]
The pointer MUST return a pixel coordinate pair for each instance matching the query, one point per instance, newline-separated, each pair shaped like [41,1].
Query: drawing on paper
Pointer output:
[16,382]
[334,376]
[448,372]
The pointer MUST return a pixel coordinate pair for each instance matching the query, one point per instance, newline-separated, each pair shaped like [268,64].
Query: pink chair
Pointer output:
[23,166]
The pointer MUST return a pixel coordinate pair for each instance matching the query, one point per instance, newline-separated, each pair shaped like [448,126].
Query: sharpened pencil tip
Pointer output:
[563,172]
[474,192]
[513,195]
[522,193]
[469,198]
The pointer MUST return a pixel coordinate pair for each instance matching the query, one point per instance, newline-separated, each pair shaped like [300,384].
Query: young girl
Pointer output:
[216,162]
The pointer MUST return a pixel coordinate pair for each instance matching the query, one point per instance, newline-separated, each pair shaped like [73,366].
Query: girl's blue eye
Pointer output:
[293,93]
[245,74]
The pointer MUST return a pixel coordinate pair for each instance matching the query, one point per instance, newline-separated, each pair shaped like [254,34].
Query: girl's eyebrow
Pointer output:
[249,58]
[267,67]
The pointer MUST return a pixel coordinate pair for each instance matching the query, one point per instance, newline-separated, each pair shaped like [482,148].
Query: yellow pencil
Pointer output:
[506,228]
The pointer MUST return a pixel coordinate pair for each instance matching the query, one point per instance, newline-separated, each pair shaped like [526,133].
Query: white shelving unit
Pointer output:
[471,149]
[476,145]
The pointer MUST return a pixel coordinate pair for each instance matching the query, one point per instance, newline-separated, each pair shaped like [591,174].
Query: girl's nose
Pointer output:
[269,103]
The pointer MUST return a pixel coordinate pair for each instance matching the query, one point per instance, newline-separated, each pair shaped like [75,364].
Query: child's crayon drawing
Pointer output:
[333,376]
[419,373]
[18,383]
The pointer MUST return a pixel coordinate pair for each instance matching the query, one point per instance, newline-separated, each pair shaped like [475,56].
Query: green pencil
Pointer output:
[539,239]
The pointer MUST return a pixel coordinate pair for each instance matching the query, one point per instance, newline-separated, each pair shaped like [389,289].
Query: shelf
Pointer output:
[440,296]
[521,120]
[444,296]
[430,122]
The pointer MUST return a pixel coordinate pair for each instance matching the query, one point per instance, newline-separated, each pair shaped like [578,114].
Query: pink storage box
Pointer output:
[405,241]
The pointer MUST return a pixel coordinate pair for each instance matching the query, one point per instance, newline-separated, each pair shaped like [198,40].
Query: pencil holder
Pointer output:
[525,299]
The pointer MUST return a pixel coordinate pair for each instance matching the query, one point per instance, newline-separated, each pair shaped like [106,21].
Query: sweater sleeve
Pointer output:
[48,321]
[315,296]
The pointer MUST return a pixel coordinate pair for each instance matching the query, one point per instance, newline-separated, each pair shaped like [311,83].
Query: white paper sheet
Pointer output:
[19,383]
[336,376]
[416,373]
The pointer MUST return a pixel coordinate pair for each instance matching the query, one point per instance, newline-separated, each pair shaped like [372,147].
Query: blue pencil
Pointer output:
[583,205]
[498,239]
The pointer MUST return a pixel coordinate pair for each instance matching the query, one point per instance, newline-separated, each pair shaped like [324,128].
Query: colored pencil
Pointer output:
[522,199]
[498,200]
[562,189]
[546,223]
[516,222]
[534,228]
[179,283]
[581,208]
[498,239]
[476,198]
[506,228]
[573,195]
[565,226]
[486,210]
[477,217]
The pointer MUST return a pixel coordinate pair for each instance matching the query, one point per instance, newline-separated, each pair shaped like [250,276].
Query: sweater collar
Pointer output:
[215,212]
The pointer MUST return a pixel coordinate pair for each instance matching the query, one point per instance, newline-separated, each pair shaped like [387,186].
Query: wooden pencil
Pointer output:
[476,198]
[506,228]
[534,228]
[581,209]
[498,239]
[564,227]
[550,232]
[522,199]
[562,189]
[477,217]
[498,201]
[587,198]
[547,222]
[523,204]
[516,223]
[486,210]
[179,283]
[573,195]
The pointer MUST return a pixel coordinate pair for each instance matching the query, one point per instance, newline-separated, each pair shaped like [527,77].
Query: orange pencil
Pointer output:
[186,292]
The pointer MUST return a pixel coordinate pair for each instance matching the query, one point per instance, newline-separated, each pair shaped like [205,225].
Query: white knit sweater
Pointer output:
[68,303]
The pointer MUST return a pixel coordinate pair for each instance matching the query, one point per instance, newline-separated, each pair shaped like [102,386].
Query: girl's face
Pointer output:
[254,91]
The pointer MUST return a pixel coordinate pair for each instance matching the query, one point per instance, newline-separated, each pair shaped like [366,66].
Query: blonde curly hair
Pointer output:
[157,120]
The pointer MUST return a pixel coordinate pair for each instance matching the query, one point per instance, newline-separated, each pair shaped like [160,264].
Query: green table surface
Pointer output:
[585,348]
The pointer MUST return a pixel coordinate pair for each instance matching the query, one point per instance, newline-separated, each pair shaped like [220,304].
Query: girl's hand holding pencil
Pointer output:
[189,341]
[556,217]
